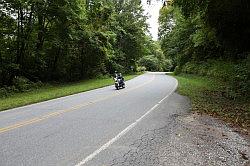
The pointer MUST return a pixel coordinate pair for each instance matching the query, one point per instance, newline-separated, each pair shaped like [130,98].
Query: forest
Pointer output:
[209,38]
[70,40]
[43,41]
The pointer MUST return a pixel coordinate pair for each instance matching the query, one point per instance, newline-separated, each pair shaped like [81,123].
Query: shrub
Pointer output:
[141,69]
[234,75]
[22,83]
[177,70]
[150,62]
[3,92]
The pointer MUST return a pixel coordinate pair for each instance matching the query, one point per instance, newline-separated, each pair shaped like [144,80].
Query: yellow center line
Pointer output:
[77,107]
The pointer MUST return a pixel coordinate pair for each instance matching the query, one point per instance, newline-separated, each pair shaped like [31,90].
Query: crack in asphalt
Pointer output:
[182,142]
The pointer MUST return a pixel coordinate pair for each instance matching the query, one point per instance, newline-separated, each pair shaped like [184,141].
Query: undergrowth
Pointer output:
[209,96]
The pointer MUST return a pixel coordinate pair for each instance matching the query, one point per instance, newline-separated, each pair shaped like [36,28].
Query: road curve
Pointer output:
[74,130]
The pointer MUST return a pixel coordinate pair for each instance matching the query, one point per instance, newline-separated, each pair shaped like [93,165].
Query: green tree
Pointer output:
[66,40]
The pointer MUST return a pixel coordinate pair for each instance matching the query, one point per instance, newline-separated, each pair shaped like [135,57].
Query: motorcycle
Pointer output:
[119,83]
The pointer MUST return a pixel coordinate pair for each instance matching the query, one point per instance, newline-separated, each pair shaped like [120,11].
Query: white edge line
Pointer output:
[176,85]
[123,132]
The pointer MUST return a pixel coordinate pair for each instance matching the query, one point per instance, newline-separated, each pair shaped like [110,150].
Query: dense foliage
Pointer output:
[67,40]
[153,59]
[209,38]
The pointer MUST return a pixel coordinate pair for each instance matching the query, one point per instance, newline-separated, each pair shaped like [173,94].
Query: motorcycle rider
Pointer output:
[118,76]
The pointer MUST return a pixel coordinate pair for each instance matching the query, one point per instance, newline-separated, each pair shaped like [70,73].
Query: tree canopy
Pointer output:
[205,29]
[67,40]
[210,38]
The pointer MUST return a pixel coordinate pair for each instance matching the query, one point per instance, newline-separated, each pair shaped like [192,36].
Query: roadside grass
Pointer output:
[208,96]
[48,92]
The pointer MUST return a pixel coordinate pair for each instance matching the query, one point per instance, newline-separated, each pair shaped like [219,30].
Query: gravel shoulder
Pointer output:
[185,138]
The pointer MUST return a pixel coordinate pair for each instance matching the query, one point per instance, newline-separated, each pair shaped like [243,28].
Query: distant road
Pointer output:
[82,129]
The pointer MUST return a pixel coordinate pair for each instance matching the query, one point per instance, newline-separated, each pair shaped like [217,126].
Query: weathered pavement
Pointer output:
[133,126]
[176,137]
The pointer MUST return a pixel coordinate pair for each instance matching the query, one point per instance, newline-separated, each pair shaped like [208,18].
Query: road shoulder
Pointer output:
[175,136]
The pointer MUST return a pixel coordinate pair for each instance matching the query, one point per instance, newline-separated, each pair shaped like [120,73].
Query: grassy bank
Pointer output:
[208,96]
[54,91]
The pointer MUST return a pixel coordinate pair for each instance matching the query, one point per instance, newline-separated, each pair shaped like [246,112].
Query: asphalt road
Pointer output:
[91,128]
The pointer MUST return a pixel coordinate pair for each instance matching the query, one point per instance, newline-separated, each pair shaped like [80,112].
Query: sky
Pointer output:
[153,12]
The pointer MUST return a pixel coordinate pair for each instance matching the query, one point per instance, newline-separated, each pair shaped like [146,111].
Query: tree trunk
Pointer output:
[82,61]
[21,42]
[40,35]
